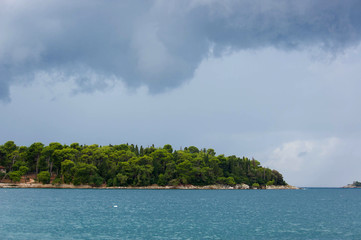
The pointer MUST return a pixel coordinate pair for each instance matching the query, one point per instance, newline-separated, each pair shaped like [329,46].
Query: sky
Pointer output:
[275,80]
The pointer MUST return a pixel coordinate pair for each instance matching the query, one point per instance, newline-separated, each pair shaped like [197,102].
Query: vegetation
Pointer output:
[44,177]
[357,184]
[15,176]
[129,165]
[269,183]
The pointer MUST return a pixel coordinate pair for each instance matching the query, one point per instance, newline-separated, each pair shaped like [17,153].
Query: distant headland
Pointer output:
[151,187]
[355,184]
[130,166]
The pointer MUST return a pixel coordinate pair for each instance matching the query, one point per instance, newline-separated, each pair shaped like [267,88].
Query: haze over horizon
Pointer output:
[278,81]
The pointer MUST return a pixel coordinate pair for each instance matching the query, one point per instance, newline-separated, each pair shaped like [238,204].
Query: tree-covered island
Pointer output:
[355,184]
[129,165]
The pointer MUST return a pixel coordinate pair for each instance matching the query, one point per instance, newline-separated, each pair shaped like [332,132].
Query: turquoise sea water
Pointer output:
[180,214]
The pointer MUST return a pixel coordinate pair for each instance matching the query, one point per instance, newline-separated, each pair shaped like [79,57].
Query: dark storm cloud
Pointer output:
[158,43]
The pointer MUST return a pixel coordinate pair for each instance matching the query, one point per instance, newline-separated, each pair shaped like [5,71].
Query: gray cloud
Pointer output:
[157,43]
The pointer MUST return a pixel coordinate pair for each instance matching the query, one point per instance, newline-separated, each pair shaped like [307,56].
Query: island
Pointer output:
[129,166]
[355,184]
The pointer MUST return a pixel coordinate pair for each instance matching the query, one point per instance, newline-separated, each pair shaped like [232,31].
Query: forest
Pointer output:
[130,165]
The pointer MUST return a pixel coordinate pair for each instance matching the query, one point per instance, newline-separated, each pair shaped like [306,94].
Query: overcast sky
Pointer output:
[275,80]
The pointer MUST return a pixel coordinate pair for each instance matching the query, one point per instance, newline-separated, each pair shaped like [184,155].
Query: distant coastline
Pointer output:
[190,187]
[131,166]
[355,184]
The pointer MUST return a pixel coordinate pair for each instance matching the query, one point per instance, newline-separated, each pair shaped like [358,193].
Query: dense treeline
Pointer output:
[356,184]
[130,165]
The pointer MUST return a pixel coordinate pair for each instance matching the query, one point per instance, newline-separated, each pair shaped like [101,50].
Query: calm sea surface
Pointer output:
[180,214]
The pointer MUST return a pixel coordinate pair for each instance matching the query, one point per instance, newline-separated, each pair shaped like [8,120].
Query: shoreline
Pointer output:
[151,187]
[350,186]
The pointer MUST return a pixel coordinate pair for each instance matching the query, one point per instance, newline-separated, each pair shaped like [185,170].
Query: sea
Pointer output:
[311,213]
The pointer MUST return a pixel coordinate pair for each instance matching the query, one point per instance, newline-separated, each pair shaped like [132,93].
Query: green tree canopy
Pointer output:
[44,177]
[131,165]
[15,176]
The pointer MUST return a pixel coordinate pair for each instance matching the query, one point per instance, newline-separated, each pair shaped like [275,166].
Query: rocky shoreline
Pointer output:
[350,186]
[71,186]
[355,184]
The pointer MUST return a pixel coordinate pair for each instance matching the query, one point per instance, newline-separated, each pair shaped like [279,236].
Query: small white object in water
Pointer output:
[115,206]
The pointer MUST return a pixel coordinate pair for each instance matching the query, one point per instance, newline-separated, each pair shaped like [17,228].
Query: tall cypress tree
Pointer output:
[136,150]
